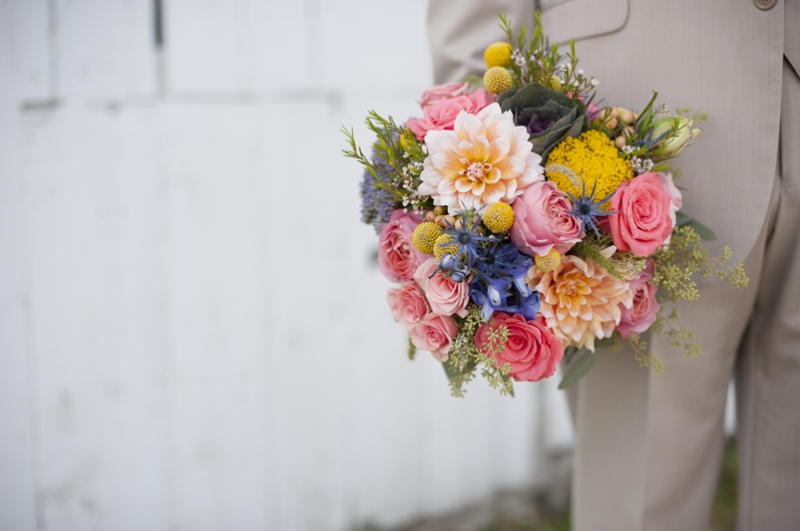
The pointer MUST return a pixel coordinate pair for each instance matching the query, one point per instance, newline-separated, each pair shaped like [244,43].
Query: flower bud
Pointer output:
[457,275]
[619,142]
[673,145]
[627,117]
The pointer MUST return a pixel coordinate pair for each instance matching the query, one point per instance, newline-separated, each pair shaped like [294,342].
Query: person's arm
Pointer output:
[460,30]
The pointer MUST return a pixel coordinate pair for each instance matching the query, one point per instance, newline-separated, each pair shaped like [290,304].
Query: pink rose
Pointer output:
[435,333]
[445,296]
[441,116]
[532,350]
[408,304]
[643,222]
[642,314]
[397,256]
[542,220]
[442,92]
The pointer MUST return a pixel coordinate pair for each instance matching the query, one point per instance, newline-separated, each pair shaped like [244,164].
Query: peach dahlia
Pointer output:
[580,300]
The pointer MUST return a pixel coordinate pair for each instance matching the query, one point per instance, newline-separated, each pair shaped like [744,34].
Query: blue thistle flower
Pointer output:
[587,209]
[468,240]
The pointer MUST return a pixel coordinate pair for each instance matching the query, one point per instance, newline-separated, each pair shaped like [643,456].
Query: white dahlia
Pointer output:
[483,160]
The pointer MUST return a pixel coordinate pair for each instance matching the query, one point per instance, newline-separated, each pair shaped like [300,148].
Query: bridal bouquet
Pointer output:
[525,225]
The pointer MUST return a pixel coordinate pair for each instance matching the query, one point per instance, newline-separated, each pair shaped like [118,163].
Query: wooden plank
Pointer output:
[17,410]
[105,47]
[371,44]
[94,213]
[238,45]
[558,428]
[24,49]
[300,199]
[218,313]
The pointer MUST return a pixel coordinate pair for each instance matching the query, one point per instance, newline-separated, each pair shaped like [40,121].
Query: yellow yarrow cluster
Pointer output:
[498,217]
[593,156]
[424,237]
[497,54]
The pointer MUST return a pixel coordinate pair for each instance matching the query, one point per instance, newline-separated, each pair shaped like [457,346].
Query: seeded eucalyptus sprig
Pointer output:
[466,358]
[677,263]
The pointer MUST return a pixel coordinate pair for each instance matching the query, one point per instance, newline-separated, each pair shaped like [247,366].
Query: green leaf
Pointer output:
[454,373]
[412,350]
[569,352]
[580,369]
[506,379]
[682,219]
[451,372]
[706,234]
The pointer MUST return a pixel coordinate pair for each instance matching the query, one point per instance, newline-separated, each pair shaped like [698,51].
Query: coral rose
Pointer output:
[642,314]
[408,304]
[643,223]
[542,220]
[532,350]
[485,159]
[442,115]
[438,93]
[397,256]
[435,333]
[446,296]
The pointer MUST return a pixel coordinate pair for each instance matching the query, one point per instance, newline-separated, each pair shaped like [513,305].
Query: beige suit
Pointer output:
[648,449]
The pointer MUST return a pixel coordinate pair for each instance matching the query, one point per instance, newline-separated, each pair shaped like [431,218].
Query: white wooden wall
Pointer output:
[192,333]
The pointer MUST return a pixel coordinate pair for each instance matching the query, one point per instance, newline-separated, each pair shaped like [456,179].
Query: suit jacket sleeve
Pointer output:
[460,30]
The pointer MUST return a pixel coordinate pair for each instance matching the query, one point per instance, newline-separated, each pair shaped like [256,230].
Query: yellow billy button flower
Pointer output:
[442,248]
[497,79]
[498,217]
[424,237]
[497,54]
[548,262]
[555,82]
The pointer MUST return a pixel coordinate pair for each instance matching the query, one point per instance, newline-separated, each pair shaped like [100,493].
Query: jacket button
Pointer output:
[765,4]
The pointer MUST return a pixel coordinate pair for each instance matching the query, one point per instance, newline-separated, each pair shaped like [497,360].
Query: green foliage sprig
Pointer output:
[538,61]
[398,148]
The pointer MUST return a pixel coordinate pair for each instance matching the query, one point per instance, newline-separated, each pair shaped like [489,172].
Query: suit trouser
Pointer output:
[649,448]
